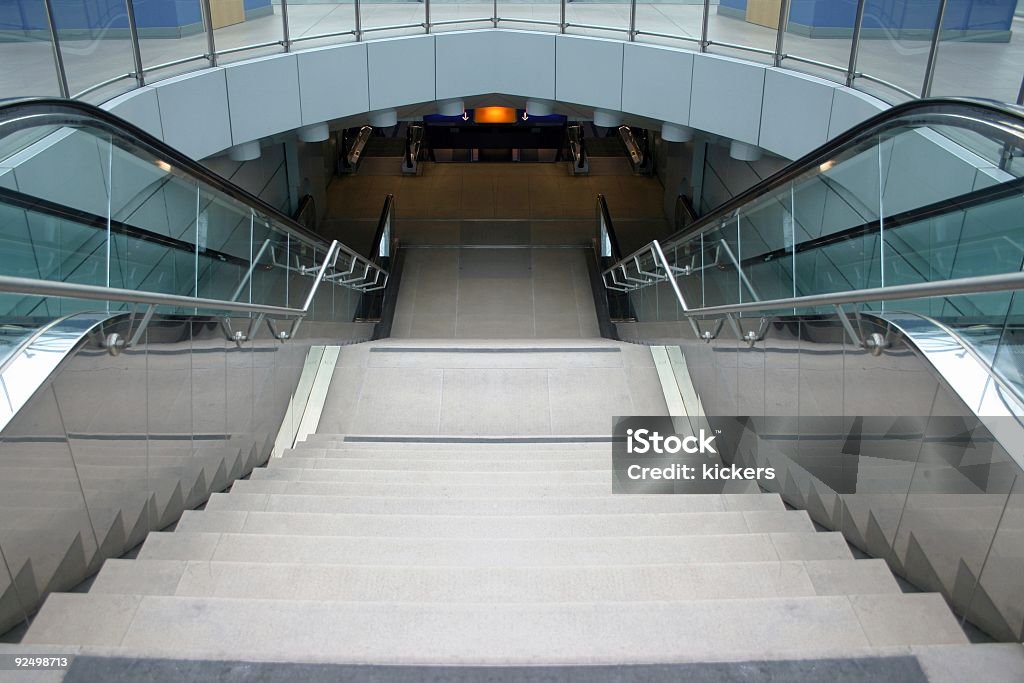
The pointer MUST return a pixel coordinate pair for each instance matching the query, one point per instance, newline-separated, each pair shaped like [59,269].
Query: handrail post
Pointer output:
[632,20]
[332,253]
[58,58]
[858,24]
[211,44]
[494,14]
[285,27]
[933,51]
[781,34]
[359,19]
[133,32]
[561,17]
[704,26]
[252,266]
[660,256]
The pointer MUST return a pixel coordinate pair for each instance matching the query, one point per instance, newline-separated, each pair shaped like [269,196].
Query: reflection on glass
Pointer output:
[980,52]
[333,18]
[96,47]
[606,20]
[382,19]
[25,43]
[168,33]
[749,23]
[894,47]
[548,12]
[822,32]
[683,19]
[240,24]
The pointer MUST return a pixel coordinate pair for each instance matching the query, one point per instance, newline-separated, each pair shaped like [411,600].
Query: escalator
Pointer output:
[849,322]
[154,323]
[855,322]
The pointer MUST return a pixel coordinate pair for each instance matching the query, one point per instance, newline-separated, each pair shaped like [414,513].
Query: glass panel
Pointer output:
[170,32]
[512,13]
[26,51]
[748,23]
[895,41]
[380,18]
[721,280]
[766,241]
[980,54]
[267,282]
[308,20]
[244,23]
[821,30]
[94,41]
[224,245]
[683,19]
[612,19]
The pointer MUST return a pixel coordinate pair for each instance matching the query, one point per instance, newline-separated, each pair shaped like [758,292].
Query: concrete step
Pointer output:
[368,583]
[468,444]
[290,502]
[543,551]
[293,481]
[361,461]
[324,473]
[448,526]
[479,454]
[588,465]
[495,634]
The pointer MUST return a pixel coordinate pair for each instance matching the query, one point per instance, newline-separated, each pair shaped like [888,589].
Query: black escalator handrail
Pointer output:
[51,111]
[306,203]
[382,224]
[79,217]
[602,205]
[943,207]
[983,115]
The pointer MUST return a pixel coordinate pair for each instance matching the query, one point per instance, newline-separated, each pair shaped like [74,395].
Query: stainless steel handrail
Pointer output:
[978,284]
[848,66]
[37,112]
[1001,121]
[71,290]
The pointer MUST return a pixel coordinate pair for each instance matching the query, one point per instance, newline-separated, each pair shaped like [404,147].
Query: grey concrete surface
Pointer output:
[483,293]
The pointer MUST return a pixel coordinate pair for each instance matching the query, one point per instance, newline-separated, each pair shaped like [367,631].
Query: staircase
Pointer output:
[447,513]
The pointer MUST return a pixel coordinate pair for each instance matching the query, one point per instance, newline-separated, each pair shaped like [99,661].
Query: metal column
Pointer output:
[58,59]
[933,52]
[780,36]
[211,44]
[286,29]
[704,27]
[133,32]
[858,23]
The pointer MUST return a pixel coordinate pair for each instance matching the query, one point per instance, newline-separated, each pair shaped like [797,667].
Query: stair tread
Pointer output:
[650,524]
[286,501]
[495,633]
[540,551]
[424,583]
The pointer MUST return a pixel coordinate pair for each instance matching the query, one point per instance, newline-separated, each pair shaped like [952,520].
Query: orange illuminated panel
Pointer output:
[494,115]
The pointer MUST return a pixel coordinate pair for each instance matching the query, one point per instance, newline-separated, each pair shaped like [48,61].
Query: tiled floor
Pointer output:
[991,70]
[474,293]
[529,203]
